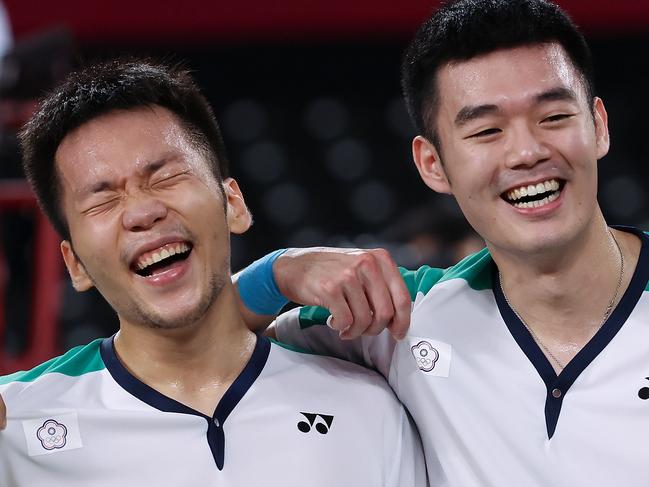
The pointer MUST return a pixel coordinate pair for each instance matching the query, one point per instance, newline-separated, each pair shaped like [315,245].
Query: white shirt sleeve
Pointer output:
[405,458]
[374,352]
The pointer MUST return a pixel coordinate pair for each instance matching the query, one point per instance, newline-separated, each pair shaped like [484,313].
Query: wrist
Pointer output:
[258,288]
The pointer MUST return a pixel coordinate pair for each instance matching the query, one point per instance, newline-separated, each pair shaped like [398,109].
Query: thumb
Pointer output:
[337,325]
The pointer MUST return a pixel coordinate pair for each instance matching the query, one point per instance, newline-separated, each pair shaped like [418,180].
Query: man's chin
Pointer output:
[542,245]
[165,319]
[173,320]
[173,314]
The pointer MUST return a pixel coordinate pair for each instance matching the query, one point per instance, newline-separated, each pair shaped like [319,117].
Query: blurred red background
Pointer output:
[195,20]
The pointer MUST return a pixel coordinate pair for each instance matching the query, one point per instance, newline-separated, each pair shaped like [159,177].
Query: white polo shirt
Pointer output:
[289,419]
[489,407]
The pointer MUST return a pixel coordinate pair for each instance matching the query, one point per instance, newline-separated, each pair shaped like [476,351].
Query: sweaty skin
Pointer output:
[132,186]
[513,118]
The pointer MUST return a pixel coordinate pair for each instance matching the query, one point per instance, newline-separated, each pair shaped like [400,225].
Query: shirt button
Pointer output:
[556,393]
[216,422]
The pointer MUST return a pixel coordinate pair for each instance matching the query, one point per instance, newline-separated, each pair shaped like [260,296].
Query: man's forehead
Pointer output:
[149,120]
[138,141]
[524,69]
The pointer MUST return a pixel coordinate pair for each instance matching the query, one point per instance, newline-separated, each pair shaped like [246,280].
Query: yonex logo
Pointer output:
[322,425]
[52,435]
[644,392]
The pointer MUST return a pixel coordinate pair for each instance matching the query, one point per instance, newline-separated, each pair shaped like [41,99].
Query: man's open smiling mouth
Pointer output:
[161,259]
[534,195]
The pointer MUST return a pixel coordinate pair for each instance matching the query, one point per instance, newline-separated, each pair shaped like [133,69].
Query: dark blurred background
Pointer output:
[308,97]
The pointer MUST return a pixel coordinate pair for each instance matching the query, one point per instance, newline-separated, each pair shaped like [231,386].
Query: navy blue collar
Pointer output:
[557,386]
[234,394]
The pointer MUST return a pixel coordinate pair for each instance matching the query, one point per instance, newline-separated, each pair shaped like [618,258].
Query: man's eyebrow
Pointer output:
[147,169]
[97,187]
[471,112]
[557,94]
[152,166]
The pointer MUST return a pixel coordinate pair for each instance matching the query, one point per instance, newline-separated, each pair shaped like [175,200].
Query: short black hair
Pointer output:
[463,29]
[101,88]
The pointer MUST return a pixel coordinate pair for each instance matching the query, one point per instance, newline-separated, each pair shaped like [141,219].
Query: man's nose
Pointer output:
[525,147]
[141,212]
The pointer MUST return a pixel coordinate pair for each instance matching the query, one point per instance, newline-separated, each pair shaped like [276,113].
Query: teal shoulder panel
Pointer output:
[475,269]
[77,361]
[313,315]
[423,278]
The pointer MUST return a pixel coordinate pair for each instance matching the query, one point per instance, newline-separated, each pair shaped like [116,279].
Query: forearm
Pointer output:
[362,289]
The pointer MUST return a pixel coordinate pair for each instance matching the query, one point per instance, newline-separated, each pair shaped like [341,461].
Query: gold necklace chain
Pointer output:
[607,312]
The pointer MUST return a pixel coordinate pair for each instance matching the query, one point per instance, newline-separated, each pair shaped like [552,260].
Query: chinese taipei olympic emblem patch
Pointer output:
[52,435]
[432,357]
[425,355]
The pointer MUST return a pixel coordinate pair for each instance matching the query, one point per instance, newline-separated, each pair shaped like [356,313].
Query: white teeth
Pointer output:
[160,254]
[533,189]
[538,203]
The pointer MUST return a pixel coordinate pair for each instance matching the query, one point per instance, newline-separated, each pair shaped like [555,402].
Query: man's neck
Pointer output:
[194,364]
[563,298]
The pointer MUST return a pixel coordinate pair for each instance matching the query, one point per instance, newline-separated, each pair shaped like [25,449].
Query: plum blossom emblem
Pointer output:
[52,435]
[425,355]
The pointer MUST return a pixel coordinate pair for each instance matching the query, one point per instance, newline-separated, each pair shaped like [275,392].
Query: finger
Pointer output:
[401,302]
[329,295]
[372,283]
[376,291]
[341,315]
[361,312]
[380,302]
[329,324]
[400,324]
[400,296]
[3,414]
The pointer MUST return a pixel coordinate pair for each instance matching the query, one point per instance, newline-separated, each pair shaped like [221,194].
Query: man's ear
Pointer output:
[239,217]
[601,128]
[80,279]
[429,165]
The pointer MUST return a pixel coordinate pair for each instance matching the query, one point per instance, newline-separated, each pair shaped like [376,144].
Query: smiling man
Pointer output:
[526,363]
[127,160]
